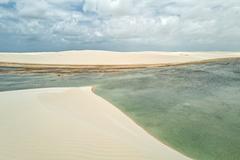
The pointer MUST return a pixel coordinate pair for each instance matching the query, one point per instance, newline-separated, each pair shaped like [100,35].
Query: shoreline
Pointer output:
[89,117]
[54,68]
[103,61]
[93,89]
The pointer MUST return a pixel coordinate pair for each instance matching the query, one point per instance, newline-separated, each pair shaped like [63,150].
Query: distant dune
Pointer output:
[72,124]
[111,58]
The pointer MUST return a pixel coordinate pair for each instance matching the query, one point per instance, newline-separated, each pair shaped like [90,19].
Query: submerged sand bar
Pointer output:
[107,58]
[72,124]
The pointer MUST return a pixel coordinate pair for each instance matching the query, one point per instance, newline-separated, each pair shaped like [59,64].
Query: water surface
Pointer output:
[194,109]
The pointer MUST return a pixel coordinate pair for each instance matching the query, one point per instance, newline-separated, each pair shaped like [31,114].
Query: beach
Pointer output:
[71,123]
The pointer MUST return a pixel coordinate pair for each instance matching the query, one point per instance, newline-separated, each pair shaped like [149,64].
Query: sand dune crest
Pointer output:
[71,124]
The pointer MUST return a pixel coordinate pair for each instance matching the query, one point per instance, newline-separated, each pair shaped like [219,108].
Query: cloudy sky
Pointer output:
[123,25]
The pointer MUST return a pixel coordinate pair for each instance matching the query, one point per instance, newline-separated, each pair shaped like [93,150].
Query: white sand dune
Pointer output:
[112,58]
[71,124]
[74,123]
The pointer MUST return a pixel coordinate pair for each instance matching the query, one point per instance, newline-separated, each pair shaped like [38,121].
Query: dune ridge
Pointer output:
[72,123]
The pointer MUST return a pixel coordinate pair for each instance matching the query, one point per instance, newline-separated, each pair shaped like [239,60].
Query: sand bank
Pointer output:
[87,58]
[72,124]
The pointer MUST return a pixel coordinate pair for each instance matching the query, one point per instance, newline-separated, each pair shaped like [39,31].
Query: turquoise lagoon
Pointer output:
[195,109]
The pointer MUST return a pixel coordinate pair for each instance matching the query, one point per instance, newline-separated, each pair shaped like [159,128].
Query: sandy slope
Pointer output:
[112,58]
[71,124]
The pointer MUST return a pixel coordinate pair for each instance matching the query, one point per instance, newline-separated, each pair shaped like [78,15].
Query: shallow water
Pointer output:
[194,109]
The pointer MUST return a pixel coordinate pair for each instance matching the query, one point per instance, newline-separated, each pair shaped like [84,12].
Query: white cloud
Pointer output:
[109,7]
[152,24]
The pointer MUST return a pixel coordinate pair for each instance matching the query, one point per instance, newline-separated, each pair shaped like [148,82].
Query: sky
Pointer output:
[120,25]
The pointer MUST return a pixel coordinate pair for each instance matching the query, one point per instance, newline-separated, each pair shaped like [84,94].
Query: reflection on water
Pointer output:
[195,108]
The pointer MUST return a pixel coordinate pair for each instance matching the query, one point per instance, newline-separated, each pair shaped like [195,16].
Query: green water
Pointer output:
[194,109]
